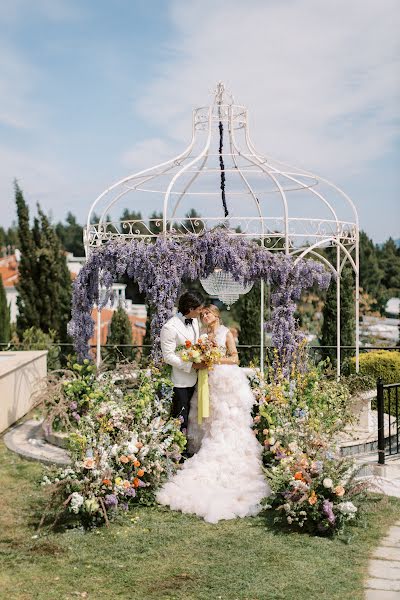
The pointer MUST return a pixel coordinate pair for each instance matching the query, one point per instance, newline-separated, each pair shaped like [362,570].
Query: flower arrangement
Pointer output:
[297,420]
[313,490]
[204,351]
[121,449]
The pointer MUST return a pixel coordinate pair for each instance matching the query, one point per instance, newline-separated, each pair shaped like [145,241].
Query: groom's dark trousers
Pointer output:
[181,404]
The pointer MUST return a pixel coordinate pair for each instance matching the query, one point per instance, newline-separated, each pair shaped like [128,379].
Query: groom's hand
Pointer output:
[198,366]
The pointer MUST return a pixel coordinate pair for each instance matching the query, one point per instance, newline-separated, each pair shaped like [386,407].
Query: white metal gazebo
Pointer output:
[231,184]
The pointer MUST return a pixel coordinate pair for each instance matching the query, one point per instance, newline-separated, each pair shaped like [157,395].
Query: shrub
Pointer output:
[379,363]
[36,339]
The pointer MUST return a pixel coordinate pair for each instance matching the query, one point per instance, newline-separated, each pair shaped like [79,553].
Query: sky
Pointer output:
[91,92]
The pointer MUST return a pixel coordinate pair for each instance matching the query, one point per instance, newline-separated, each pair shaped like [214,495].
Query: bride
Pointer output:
[224,478]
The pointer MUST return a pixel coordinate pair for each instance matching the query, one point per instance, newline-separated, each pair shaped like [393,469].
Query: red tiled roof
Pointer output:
[9,270]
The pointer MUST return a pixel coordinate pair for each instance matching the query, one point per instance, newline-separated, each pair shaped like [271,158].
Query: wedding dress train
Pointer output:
[224,479]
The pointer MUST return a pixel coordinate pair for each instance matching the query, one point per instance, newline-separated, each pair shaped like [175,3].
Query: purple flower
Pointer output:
[160,268]
[110,500]
[73,405]
[76,416]
[327,509]
[130,492]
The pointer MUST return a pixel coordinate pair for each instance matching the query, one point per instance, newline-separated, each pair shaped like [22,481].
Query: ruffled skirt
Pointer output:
[224,479]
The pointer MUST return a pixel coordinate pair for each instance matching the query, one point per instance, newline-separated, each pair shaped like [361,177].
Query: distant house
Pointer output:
[136,312]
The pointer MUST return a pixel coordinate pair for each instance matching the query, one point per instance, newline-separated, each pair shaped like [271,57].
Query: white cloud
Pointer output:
[148,153]
[319,78]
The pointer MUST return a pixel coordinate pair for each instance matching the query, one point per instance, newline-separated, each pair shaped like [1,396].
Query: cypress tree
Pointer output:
[44,286]
[347,325]
[28,314]
[120,333]
[54,281]
[248,311]
[5,325]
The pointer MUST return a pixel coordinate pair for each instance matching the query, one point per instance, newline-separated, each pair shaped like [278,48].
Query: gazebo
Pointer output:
[235,187]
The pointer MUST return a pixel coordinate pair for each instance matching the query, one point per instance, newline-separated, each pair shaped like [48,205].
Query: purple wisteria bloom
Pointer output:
[159,269]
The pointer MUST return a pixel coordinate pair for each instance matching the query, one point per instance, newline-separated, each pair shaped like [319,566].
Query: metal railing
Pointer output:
[388,420]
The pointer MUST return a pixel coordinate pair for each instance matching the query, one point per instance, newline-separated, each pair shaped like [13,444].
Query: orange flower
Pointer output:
[136,463]
[124,459]
[139,445]
[339,490]
[299,475]
[313,498]
[107,481]
[188,343]
[136,482]
[126,484]
[88,463]
[140,472]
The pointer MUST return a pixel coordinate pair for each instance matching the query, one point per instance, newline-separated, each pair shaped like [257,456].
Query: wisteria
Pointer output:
[160,269]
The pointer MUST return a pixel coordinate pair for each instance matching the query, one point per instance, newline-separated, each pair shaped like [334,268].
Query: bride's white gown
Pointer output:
[224,479]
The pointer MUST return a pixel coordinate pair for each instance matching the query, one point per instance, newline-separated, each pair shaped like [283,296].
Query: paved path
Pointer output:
[383,581]
[27,440]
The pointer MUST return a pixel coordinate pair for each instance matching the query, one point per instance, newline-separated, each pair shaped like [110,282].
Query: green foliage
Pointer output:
[389,260]
[120,333]
[71,235]
[36,339]
[44,286]
[5,325]
[247,309]
[371,272]
[347,315]
[379,363]
[358,382]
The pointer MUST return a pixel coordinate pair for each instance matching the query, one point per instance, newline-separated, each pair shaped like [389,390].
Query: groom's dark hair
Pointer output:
[189,300]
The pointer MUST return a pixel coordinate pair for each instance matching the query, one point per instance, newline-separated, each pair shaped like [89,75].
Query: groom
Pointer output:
[175,332]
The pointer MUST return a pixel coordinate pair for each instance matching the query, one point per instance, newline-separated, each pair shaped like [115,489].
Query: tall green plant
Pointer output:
[120,334]
[44,286]
[5,325]
[347,315]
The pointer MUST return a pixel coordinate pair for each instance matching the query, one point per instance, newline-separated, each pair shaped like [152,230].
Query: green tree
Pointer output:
[44,286]
[120,334]
[5,326]
[28,313]
[389,260]
[347,315]
[371,272]
[54,280]
[247,310]
[71,235]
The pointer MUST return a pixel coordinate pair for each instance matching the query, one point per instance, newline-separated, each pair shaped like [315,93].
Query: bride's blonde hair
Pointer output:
[214,310]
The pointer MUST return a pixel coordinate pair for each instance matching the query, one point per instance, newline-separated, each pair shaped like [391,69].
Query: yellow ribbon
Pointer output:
[203,396]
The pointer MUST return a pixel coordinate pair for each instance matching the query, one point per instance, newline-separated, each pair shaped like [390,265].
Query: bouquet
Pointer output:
[206,351]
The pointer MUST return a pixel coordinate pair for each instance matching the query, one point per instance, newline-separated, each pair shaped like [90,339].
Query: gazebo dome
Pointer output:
[228,182]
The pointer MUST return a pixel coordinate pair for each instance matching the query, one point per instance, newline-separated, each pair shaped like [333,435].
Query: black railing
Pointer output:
[388,419]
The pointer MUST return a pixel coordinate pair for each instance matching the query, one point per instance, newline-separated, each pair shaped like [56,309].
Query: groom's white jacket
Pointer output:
[174,333]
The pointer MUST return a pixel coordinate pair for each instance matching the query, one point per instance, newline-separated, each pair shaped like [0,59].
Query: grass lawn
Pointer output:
[165,555]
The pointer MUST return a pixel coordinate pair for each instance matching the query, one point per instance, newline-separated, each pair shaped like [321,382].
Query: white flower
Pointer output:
[204,336]
[327,482]
[131,446]
[76,502]
[289,520]
[286,507]
[347,508]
